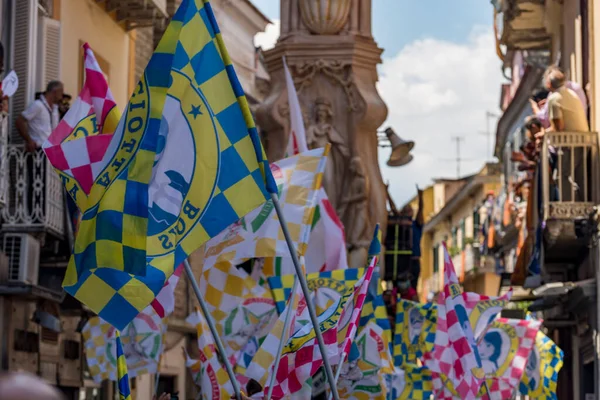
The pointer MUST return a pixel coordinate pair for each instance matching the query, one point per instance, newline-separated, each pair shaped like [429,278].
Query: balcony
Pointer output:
[34,199]
[136,13]
[524,24]
[570,194]
[3,164]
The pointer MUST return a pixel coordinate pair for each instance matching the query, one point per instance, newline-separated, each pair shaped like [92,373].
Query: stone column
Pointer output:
[332,57]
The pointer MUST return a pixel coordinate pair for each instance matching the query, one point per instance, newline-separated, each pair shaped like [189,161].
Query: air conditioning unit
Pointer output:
[23,252]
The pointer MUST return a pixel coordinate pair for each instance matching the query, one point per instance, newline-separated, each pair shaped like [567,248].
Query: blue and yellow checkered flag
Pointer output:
[122,377]
[186,163]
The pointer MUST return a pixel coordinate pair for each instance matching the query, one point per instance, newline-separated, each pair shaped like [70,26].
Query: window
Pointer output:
[436,259]
[463,235]
[475,223]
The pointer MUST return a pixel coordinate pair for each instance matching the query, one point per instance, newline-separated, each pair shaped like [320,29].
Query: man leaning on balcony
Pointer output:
[41,117]
[565,109]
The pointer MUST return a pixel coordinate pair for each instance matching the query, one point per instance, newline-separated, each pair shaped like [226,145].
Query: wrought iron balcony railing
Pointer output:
[35,195]
[570,189]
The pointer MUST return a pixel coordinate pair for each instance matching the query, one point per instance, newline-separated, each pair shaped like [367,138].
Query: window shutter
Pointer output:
[25,34]
[49,51]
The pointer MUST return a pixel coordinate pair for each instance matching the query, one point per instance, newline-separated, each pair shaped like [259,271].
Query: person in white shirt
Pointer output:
[38,121]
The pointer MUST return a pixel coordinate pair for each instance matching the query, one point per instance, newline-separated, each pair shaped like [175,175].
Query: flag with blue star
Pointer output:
[184,163]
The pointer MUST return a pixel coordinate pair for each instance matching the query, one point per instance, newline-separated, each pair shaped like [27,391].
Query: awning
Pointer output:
[512,115]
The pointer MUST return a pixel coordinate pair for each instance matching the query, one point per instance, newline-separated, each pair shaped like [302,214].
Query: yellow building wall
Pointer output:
[85,21]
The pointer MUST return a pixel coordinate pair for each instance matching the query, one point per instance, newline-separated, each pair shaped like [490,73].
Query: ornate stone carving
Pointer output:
[354,209]
[325,17]
[570,210]
[318,135]
[336,71]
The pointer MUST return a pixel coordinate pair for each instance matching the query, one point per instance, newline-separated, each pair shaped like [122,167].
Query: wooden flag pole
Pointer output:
[283,339]
[307,294]
[213,329]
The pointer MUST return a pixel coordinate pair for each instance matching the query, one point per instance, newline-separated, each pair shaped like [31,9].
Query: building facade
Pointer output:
[42,40]
[458,222]
[551,237]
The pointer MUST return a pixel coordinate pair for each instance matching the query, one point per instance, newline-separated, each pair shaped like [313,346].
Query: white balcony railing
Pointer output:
[34,199]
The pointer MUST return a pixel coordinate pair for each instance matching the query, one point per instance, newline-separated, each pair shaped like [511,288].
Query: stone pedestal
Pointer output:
[332,58]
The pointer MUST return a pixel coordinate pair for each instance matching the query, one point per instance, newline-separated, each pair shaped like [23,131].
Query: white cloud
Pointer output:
[434,90]
[268,38]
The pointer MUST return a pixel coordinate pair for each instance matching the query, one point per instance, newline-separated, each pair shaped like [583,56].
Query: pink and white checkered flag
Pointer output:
[78,144]
[302,358]
[164,302]
[455,354]
[504,349]
[360,293]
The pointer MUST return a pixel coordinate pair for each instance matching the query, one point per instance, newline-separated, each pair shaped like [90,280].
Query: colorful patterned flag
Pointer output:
[412,382]
[123,378]
[415,331]
[455,354]
[301,357]
[77,145]
[148,209]
[360,293]
[164,303]
[259,233]
[504,349]
[141,340]
[261,365]
[208,373]
[484,309]
[541,372]
[297,140]
[363,374]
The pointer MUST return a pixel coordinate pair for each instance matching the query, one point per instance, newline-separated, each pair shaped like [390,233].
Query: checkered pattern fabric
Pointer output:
[78,144]
[208,373]
[455,354]
[261,365]
[541,376]
[415,331]
[243,311]
[259,233]
[301,356]
[123,378]
[142,340]
[299,365]
[190,67]
[484,309]
[281,286]
[362,375]
[518,339]
[360,293]
[164,303]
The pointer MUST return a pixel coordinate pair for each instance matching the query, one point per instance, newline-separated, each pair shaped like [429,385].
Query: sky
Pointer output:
[440,75]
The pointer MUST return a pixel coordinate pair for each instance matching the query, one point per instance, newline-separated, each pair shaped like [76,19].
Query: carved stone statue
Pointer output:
[354,210]
[318,135]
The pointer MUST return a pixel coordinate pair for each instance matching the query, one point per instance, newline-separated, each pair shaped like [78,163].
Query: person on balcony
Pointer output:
[535,134]
[539,101]
[38,121]
[565,109]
